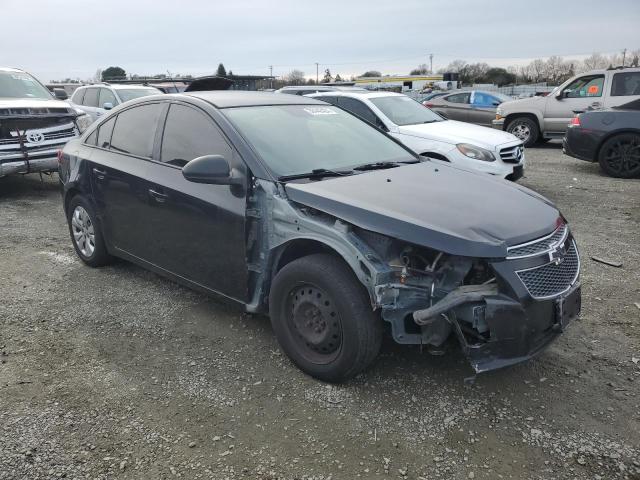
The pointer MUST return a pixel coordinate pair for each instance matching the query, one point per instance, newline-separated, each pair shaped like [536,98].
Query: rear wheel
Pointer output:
[526,129]
[86,234]
[322,318]
[620,156]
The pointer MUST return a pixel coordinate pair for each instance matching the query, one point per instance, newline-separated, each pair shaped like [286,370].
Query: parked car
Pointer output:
[298,209]
[473,106]
[610,137]
[544,118]
[425,99]
[96,100]
[33,124]
[425,132]
[308,89]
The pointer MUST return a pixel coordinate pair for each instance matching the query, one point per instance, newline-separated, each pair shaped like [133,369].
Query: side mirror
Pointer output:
[107,105]
[211,169]
[495,103]
[562,94]
[60,93]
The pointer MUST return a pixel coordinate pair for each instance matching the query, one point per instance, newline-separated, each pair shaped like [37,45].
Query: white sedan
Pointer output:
[468,146]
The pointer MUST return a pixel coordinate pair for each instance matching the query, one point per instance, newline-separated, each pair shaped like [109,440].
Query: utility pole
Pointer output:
[431,63]
[317,65]
[624,54]
[270,76]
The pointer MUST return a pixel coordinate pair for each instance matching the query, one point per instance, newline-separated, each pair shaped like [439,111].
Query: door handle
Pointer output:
[99,173]
[159,197]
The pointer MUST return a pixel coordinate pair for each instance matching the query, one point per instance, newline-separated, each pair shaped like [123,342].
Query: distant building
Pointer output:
[400,83]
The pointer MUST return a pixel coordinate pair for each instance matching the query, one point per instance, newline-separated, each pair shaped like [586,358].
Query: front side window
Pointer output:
[107,96]
[481,99]
[403,110]
[589,86]
[22,85]
[189,134]
[135,129]
[91,97]
[627,83]
[293,139]
[127,94]
[78,96]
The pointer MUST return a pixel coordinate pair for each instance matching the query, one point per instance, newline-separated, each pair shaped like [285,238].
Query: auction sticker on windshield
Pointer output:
[320,111]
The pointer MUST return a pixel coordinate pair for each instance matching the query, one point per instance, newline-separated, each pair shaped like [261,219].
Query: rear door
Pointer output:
[584,92]
[124,147]
[454,106]
[196,231]
[625,87]
[90,102]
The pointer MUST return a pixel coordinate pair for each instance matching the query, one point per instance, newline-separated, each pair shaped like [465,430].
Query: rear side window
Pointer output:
[358,108]
[627,83]
[78,96]
[107,96]
[189,134]
[589,86]
[458,98]
[135,129]
[104,133]
[91,97]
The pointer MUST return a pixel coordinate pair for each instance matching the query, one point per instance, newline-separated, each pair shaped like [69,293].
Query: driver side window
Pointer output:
[590,86]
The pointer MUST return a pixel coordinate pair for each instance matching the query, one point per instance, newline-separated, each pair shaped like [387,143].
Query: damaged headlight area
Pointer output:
[83,121]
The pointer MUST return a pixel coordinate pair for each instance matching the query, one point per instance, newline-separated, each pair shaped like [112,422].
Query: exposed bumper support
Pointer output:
[455,298]
[46,164]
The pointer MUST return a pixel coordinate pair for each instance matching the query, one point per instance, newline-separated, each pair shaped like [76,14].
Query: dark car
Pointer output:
[299,210]
[610,137]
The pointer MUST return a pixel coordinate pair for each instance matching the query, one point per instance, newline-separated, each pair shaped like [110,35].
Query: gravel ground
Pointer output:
[118,373]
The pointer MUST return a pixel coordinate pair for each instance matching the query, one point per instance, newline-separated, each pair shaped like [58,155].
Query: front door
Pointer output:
[483,108]
[582,93]
[196,231]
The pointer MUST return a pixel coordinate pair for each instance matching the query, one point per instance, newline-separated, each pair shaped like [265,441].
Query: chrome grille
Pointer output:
[512,154]
[553,278]
[62,132]
[540,245]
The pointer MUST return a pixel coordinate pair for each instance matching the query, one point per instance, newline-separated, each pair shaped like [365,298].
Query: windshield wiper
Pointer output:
[315,173]
[381,165]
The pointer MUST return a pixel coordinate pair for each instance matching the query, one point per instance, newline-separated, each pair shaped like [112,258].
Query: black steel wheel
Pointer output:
[619,156]
[322,318]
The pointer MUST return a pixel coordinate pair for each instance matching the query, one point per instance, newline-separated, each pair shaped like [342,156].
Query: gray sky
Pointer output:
[55,39]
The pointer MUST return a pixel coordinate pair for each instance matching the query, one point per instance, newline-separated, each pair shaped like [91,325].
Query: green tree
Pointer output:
[221,71]
[338,78]
[371,73]
[327,76]
[498,76]
[113,73]
[422,69]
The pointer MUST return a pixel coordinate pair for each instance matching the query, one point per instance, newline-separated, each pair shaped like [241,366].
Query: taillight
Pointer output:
[427,104]
[575,121]
[59,157]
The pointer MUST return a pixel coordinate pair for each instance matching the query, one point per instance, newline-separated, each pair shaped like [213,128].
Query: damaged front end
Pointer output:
[502,311]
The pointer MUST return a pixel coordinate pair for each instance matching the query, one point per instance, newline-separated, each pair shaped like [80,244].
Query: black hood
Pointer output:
[436,206]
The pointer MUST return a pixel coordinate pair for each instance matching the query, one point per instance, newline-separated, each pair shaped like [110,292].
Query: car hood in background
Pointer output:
[453,132]
[435,206]
[32,103]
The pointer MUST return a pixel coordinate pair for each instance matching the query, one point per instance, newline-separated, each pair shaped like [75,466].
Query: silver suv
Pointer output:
[97,99]
[544,118]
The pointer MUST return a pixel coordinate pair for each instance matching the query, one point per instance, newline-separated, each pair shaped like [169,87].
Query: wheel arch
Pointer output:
[512,116]
[610,135]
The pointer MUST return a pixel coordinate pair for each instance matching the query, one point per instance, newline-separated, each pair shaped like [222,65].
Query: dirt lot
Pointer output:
[118,373]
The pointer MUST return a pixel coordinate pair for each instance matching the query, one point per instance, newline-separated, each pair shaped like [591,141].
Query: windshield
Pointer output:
[127,94]
[22,85]
[403,110]
[293,139]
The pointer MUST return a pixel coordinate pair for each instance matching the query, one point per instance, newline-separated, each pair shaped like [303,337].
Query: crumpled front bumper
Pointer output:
[46,161]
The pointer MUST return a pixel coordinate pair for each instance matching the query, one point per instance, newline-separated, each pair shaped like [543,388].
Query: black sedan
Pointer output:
[610,137]
[297,209]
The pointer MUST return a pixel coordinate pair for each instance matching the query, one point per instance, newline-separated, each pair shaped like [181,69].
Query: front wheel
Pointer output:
[525,129]
[323,319]
[620,156]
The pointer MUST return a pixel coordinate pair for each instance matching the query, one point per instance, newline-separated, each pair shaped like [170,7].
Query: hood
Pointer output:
[32,103]
[519,104]
[453,132]
[436,206]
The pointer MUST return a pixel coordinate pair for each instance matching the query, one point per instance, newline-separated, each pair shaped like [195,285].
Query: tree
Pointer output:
[295,77]
[327,76]
[230,73]
[338,78]
[499,76]
[113,73]
[422,69]
[371,73]
[221,71]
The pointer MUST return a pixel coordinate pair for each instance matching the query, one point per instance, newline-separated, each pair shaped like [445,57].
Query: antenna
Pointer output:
[173,81]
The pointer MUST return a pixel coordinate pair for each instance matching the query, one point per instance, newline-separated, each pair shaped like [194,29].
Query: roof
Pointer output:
[356,94]
[236,98]
[10,69]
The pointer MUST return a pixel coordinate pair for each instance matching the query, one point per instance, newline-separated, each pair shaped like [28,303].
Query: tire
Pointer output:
[86,234]
[525,129]
[619,156]
[322,318]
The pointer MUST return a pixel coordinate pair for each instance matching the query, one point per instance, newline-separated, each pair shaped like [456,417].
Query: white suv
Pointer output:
[97,99]
[468,146]
[545,118]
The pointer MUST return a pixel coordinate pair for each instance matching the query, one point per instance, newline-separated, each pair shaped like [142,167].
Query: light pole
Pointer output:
[317,65]
[270,76]
[431,63]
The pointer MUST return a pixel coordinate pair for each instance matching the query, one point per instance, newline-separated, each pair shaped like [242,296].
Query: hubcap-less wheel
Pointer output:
[623,157]
[315,324]
[83,231]
[522,131]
